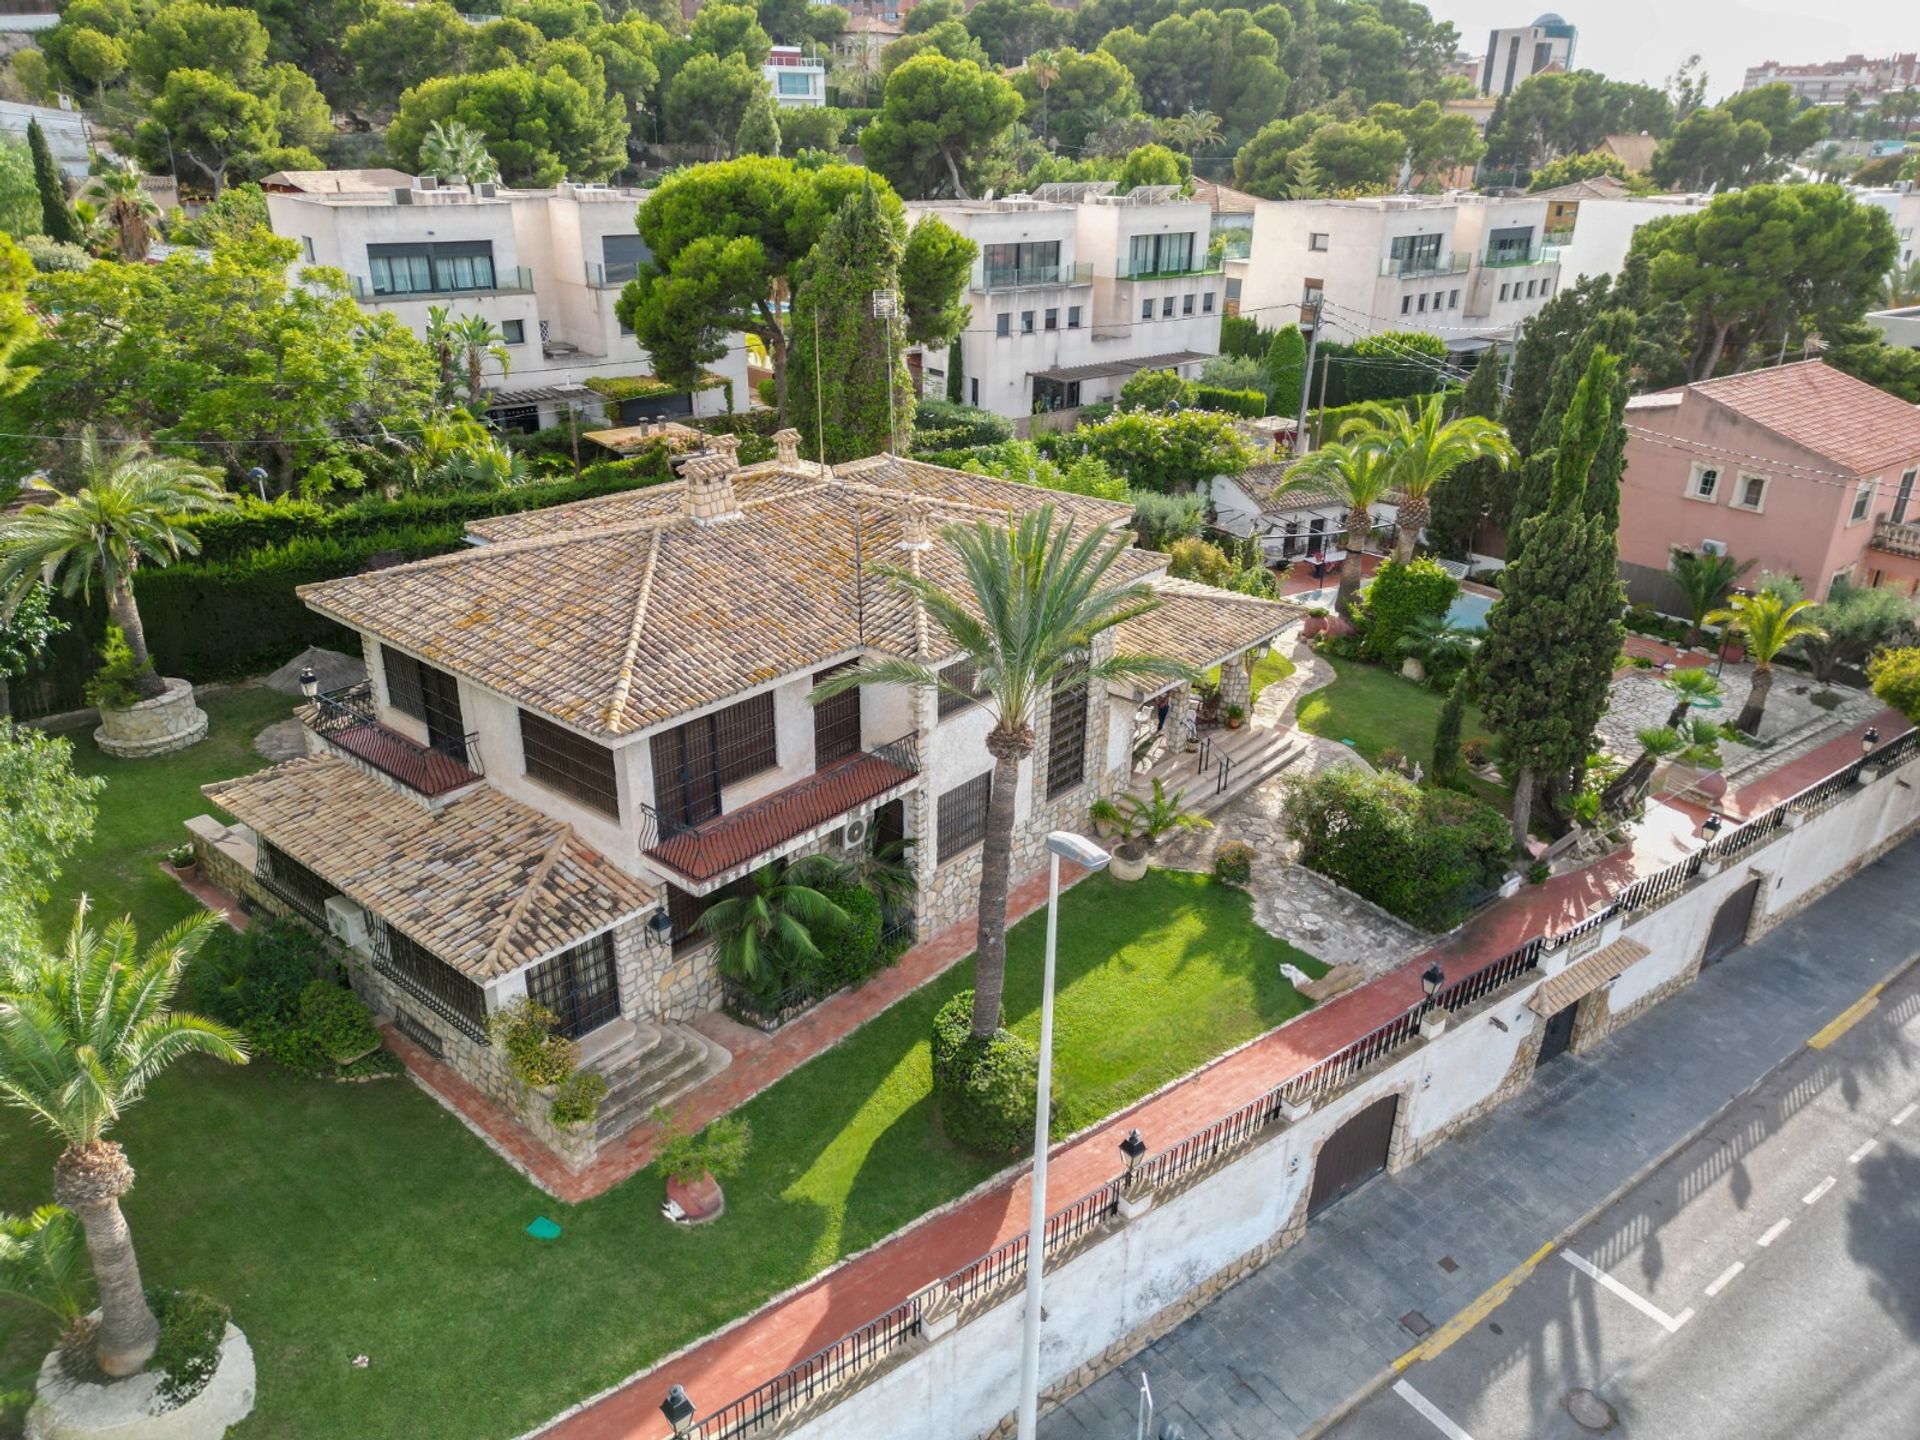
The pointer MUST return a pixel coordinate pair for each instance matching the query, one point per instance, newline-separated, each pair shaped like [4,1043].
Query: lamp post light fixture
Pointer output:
[1061,844]
[1712,823]
[660,926]
[1133,1147]
[309,683]
[678,1409]
[886,305]
[1869,740]
[1431,979]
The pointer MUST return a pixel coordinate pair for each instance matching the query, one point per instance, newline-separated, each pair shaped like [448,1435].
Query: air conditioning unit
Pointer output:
[486,189]
[403,195]
[347,922]
[1713,547]
[854,836]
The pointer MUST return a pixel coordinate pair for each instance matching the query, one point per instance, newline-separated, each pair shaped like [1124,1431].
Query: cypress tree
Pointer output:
[1447,766]
[839,370]
[1553,634]
[759,132]
[1616,332]
[1286,366]
[1457,505]
[57,219]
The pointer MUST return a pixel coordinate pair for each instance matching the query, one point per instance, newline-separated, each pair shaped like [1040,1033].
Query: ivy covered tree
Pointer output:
[1552,636]
[1467,498]
[1286,370]
[845,357]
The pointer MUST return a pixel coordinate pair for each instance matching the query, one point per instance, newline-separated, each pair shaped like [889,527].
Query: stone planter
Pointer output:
[66,1409]
[1312,626]
[700,1199]
[153,727]
[1127,867]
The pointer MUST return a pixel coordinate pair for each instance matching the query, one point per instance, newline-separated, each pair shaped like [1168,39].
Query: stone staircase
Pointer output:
[647,1063]
[1253,755]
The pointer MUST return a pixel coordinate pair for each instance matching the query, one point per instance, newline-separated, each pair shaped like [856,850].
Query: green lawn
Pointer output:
[346,1219]
[1377,711]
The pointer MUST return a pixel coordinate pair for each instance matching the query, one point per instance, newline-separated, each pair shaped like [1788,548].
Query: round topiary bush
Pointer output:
[1233,862]
[985,1088]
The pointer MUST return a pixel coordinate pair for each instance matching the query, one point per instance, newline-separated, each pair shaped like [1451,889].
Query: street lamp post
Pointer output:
[1085,853]
[886,305]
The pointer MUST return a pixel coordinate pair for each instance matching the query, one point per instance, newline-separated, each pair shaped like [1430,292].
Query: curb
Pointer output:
[1388,1374]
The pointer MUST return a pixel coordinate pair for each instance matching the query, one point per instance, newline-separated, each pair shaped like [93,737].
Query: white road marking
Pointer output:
[1774,1232]
[1817,1191]
[1646,1307]
[1905,1115]
[1861,1153]
[1433,1413]
[1725,1278]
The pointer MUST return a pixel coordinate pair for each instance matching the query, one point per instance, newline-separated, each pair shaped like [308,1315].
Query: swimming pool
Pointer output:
[1468,611]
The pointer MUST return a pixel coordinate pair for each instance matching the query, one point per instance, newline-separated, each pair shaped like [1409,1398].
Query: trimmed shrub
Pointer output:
[576,1099]
[986,1088]
[943,425]
[1251,404]
[1242,336]
[1233,862]
[848,953]
[1155,390]
[338,1021]
[535,1054]
[1400,595]
[187,1352]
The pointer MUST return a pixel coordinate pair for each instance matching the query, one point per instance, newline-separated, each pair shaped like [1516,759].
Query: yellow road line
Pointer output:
[1846,1019]
[1460,1324]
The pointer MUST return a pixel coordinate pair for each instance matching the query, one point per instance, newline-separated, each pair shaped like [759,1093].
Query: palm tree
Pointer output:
[1036,596]
[1691,687]
[126,210]
[1768,624]
[1194,130]
[1423,448]
[1705,580]
[1044,67]
[82,1034]
[885,868]
[768,931]
[475,340]
[127,511]
[456,151]
[1438,644]
[440,342]
[1361,471]
[40,1263]
[1903,285]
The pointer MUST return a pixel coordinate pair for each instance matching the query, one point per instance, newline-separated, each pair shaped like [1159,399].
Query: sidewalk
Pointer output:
[1303,1335]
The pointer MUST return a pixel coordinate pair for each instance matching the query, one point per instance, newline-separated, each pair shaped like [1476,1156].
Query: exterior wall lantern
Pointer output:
[660,926]
[678,1409]
[1133,1147]
[309,683]
[1711,825]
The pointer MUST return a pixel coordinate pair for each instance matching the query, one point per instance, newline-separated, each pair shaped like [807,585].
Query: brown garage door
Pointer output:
[1356,1153]
[1729,930]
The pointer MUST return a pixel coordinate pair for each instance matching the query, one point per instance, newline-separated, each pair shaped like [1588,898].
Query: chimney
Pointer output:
[728,447]
[916,527]
[708,481]
[787,444]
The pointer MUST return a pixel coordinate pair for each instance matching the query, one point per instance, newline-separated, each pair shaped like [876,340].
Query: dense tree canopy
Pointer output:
[939,120]
[540,127]
[1086,89]
[1748,139]
[1558,113]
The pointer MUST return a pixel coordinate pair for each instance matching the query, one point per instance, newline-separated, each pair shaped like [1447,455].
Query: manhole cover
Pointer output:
[1449,1264]
[1494,1326]
[1415,1322]
[1589,1411]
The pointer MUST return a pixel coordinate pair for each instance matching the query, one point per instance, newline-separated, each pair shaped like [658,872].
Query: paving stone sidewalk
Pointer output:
[1299,1337]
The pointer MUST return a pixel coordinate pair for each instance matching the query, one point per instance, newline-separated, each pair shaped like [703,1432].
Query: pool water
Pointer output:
[1468,611]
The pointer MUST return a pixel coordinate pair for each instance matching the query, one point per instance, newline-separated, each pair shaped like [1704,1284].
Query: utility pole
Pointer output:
[573,434]
[1506,377]
[1306,377]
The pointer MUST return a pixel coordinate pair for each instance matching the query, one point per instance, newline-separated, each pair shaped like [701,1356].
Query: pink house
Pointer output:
[1800,468]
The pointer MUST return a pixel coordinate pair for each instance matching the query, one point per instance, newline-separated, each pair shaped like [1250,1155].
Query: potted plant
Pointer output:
[1209,696]
[695,1164]
[1142,822]
[184,861]
[1315,622]
[1235,714]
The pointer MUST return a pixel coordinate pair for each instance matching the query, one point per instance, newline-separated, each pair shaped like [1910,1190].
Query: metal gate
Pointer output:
[1355,1154]
[1729,930]
[1558,1034]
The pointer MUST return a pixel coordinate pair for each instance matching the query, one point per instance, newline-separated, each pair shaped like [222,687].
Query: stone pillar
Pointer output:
[1236,683]
[1180,715]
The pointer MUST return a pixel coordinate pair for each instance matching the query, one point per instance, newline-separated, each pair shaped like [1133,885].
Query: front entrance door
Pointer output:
[1354,1155]
[579,986]
[1729,930]
[1559,1034]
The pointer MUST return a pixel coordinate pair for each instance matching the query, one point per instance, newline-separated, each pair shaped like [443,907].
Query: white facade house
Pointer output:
[1603,230]
[1902,204]
[1076,289]
[1898,327]
[1468,268]
[545,266]
[1832,82]
[795,77]
[1526,50]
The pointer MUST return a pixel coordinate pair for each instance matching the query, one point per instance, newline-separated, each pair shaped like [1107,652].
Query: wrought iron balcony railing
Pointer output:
[346,719]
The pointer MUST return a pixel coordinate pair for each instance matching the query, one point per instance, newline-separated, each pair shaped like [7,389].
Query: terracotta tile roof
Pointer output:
[1583,977]
[1262,485]
[1847,421]
[1202,625]
[1635,150]
[484,882]
[617,614]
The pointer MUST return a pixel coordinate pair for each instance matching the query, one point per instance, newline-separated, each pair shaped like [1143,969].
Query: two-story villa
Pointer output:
[545,266]
[579,732]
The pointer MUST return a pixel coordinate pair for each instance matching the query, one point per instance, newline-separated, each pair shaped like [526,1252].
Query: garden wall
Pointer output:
[1129,1280]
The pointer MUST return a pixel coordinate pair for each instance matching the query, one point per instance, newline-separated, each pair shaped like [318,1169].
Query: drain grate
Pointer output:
[1449,1264]
[1416,1323]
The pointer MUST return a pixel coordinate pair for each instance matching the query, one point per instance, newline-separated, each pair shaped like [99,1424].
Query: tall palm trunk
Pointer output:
[1522,807]
[89,1180]
[1359,522]
[1413,519]
[475,389]
[126,614]
[1750,713]
[1008,748]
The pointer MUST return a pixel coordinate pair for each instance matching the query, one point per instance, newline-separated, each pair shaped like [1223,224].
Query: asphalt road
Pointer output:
[1764,1282]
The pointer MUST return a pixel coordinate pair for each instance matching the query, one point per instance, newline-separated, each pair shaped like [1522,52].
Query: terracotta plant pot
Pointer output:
[1127,867]
[1312,626]
[1233,722]
[700,1199]
[188,871]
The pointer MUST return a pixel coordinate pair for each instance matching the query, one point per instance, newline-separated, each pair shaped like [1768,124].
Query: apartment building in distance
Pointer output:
[1076,289]
[1526,50]
[1468,268]
[545,266]
[797,77]
[1833,81]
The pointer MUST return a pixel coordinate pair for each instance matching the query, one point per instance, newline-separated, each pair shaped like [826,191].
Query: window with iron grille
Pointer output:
[836,722]
[691,762]
[429,694]
[295,883]
[963,817]
[743,740]
[685,910]
[429,979]
[1067,734]
[569,763]
[579,986]
[403,683]
[960,677]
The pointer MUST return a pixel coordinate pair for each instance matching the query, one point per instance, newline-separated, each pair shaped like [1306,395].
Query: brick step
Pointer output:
[678,1059]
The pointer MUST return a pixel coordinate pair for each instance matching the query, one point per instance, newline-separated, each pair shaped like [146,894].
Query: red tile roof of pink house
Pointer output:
[1853,424]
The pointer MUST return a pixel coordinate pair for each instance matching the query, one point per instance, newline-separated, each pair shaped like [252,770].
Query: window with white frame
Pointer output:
[1704,482]
[1751,493]
[1862,501]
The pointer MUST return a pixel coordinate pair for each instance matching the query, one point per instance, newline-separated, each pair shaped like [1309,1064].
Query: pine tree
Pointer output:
[1553,634]
[57,219]
[1447,765]
[1286,368]
[1458,505]
[759,132]
[840,366]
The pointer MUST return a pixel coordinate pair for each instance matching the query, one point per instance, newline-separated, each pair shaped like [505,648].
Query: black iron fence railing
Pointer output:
[348,719]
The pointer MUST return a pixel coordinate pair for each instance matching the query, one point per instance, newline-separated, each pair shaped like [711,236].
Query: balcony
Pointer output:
[1205,267]
[611,277]
[740,838]
[1896,537]
[1021,277]
[1504,259]
[346,720]
[507,280]
[1410,265]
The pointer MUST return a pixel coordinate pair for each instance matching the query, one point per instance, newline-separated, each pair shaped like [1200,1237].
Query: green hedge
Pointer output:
[1396,600]
[1249,403]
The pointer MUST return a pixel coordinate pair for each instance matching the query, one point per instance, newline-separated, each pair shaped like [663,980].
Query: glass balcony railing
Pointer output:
[1014,277]
[1404,265]
[507,280]
[1500,259]
[611,277]
[1203,266]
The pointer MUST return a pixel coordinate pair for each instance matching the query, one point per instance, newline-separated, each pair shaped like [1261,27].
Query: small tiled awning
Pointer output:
[1583,977]
[1071,373]
[1201,626]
